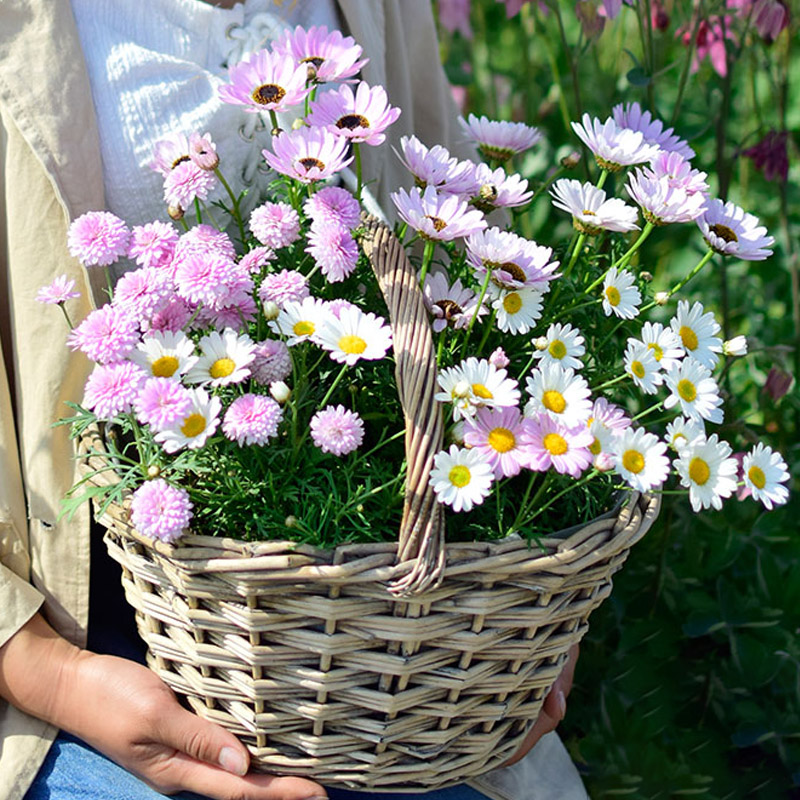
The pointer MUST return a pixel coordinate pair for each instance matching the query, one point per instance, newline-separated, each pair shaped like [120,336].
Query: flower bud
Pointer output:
[203,152]
[280,391]
[646,276]
[462,389]
[499,359]
[735,347]
[290,521]
[571,160]
[297,124]
[271,310]
[661,298]
[778,383]
[153,471]
[175,212]
[541,343]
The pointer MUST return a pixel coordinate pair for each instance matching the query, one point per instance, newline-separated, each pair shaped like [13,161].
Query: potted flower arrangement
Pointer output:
[277,392]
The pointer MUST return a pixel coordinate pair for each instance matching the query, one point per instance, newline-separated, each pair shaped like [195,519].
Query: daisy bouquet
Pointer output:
[244,363]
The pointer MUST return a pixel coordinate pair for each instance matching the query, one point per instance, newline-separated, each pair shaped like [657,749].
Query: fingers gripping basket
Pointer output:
[372,665]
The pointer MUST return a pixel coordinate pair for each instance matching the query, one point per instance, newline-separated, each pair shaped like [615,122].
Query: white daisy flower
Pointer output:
[195,428]
[474,383]
[733,232]
[691,386]
[560,393]
[640,458]
[354,335]
[223,360]
[562,344]
[735,347]
[614,147]
[764,473]
[620,295]
[165,354]
[641,365]
[300,322]
[707,470]
[698,333]
[591,211]
[517,310]
[461,478]
[681,431]
[663,343]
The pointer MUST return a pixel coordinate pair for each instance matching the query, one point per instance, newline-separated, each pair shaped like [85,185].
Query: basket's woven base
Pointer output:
[310,659]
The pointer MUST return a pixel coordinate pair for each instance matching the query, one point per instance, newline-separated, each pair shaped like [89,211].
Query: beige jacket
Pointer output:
[50,173]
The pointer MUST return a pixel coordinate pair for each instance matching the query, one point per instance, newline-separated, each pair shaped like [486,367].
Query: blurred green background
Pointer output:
[688,683]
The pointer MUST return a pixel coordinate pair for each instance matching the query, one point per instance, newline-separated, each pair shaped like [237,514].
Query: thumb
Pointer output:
[203,741]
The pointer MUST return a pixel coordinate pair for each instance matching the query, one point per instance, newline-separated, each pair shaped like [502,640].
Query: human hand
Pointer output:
[553,710]
[125,711]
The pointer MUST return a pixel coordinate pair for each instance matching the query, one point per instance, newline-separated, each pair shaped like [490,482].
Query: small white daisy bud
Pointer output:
[646,276]
[153,471]
[462,389]
[541,343]
[360,508]
[298,123]
[280,391]
[271,310]
[290,521]
[362,289]
[661,298]
[572,160]
[735,347]
[175,212]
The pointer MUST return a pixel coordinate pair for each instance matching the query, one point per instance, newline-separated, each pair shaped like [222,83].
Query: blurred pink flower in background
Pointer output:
[454,16]
[770,155]
[710,42]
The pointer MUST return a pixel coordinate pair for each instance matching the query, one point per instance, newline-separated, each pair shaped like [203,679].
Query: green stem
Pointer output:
[486,331]
[198,211]
[109,283]
[484,287]
[357,154]
[235,210]
[273,118]
[612,382]
[680,284]
[570,488]
[66,316]
[523,506]
[697,16]
[575,252]
[427,258]
[640,240]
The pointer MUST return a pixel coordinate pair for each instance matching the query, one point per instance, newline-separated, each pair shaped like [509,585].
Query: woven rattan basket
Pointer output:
[373,666]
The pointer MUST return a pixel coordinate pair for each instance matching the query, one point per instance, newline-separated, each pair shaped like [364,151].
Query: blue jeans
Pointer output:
[75,771]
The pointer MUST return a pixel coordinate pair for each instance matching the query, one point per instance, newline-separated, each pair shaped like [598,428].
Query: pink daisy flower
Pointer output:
[98,238]
[308,154]
[142,292]
[436,167]
[265,81]
[252,419]
[107,335]
[334,204]
[153,244]
[499,141]
[162,403]
[334,250]
[58,292]
[111,390]
[452,306]
[631,116]
[362,116]
[283,287]
[271,362]
[336,430]
[331,56]
[661,202]
[203,151]
[169,152]
[551,444]
[255,260]
[498,434]
[161,511]
[494,189]
[275,225]
[678,171]
[186,183]
[440,217]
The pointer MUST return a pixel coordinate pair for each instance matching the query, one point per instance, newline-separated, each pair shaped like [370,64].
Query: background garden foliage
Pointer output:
[689,680]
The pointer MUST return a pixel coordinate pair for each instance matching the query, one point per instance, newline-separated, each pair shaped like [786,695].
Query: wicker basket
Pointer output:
[372,666]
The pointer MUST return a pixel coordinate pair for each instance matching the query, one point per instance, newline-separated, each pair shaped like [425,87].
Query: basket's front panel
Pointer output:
[345,683]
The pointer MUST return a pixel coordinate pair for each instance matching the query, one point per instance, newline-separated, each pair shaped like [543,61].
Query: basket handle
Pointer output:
[422,527]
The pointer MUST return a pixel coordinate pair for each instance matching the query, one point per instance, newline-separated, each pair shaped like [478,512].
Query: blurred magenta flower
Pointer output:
[710,41]
[454,16]
[770,155]
[778,383]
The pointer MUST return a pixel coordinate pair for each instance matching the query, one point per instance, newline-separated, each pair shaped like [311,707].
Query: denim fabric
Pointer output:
[74,771]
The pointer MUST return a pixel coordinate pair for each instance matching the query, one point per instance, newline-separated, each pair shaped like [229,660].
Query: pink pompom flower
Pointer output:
[161,511]
[271,362]
[98,238]
[162,402]
[334,249]
[333,204]
[153,244]
[107,335]
[275,225]
[112,390]
[336,430]
[283,287]
[252,419]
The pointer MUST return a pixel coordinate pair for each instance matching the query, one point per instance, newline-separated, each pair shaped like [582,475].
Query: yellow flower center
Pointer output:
[303,328]
[637,368]
[688,338]
[479,390]
[353,345]
[221,368]
[557,349]
[193,425]
[757,477]
[438,223]
[459,476]
[502,440]
[633,461]
[554,401]
[164,367]
[555,444]
[658,352]
[613,296]
[512,303]
[595,448]
[687,390]
[699,471]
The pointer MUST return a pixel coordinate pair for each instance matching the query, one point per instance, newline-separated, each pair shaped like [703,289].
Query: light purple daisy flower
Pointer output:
[170,151]
[614,147]
[186,183]
[271,362]
[112,389]
[255,260]
[440,217]
[495,189]
[161,511]
[107,335]
[361,116]
[265,81]
[631,116]
[500,140]
[730,230]
[153,244]
[334,204]
[252,419]
[308,154]
[283,287]
[162,402]
[98,238]
[551,444]
[662,203]
[334,250]
[498,434]
[275,225]
[435,167]
[450,305]
[678,172]
[326,56]
[58,292]
[336,430]
[591,211]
